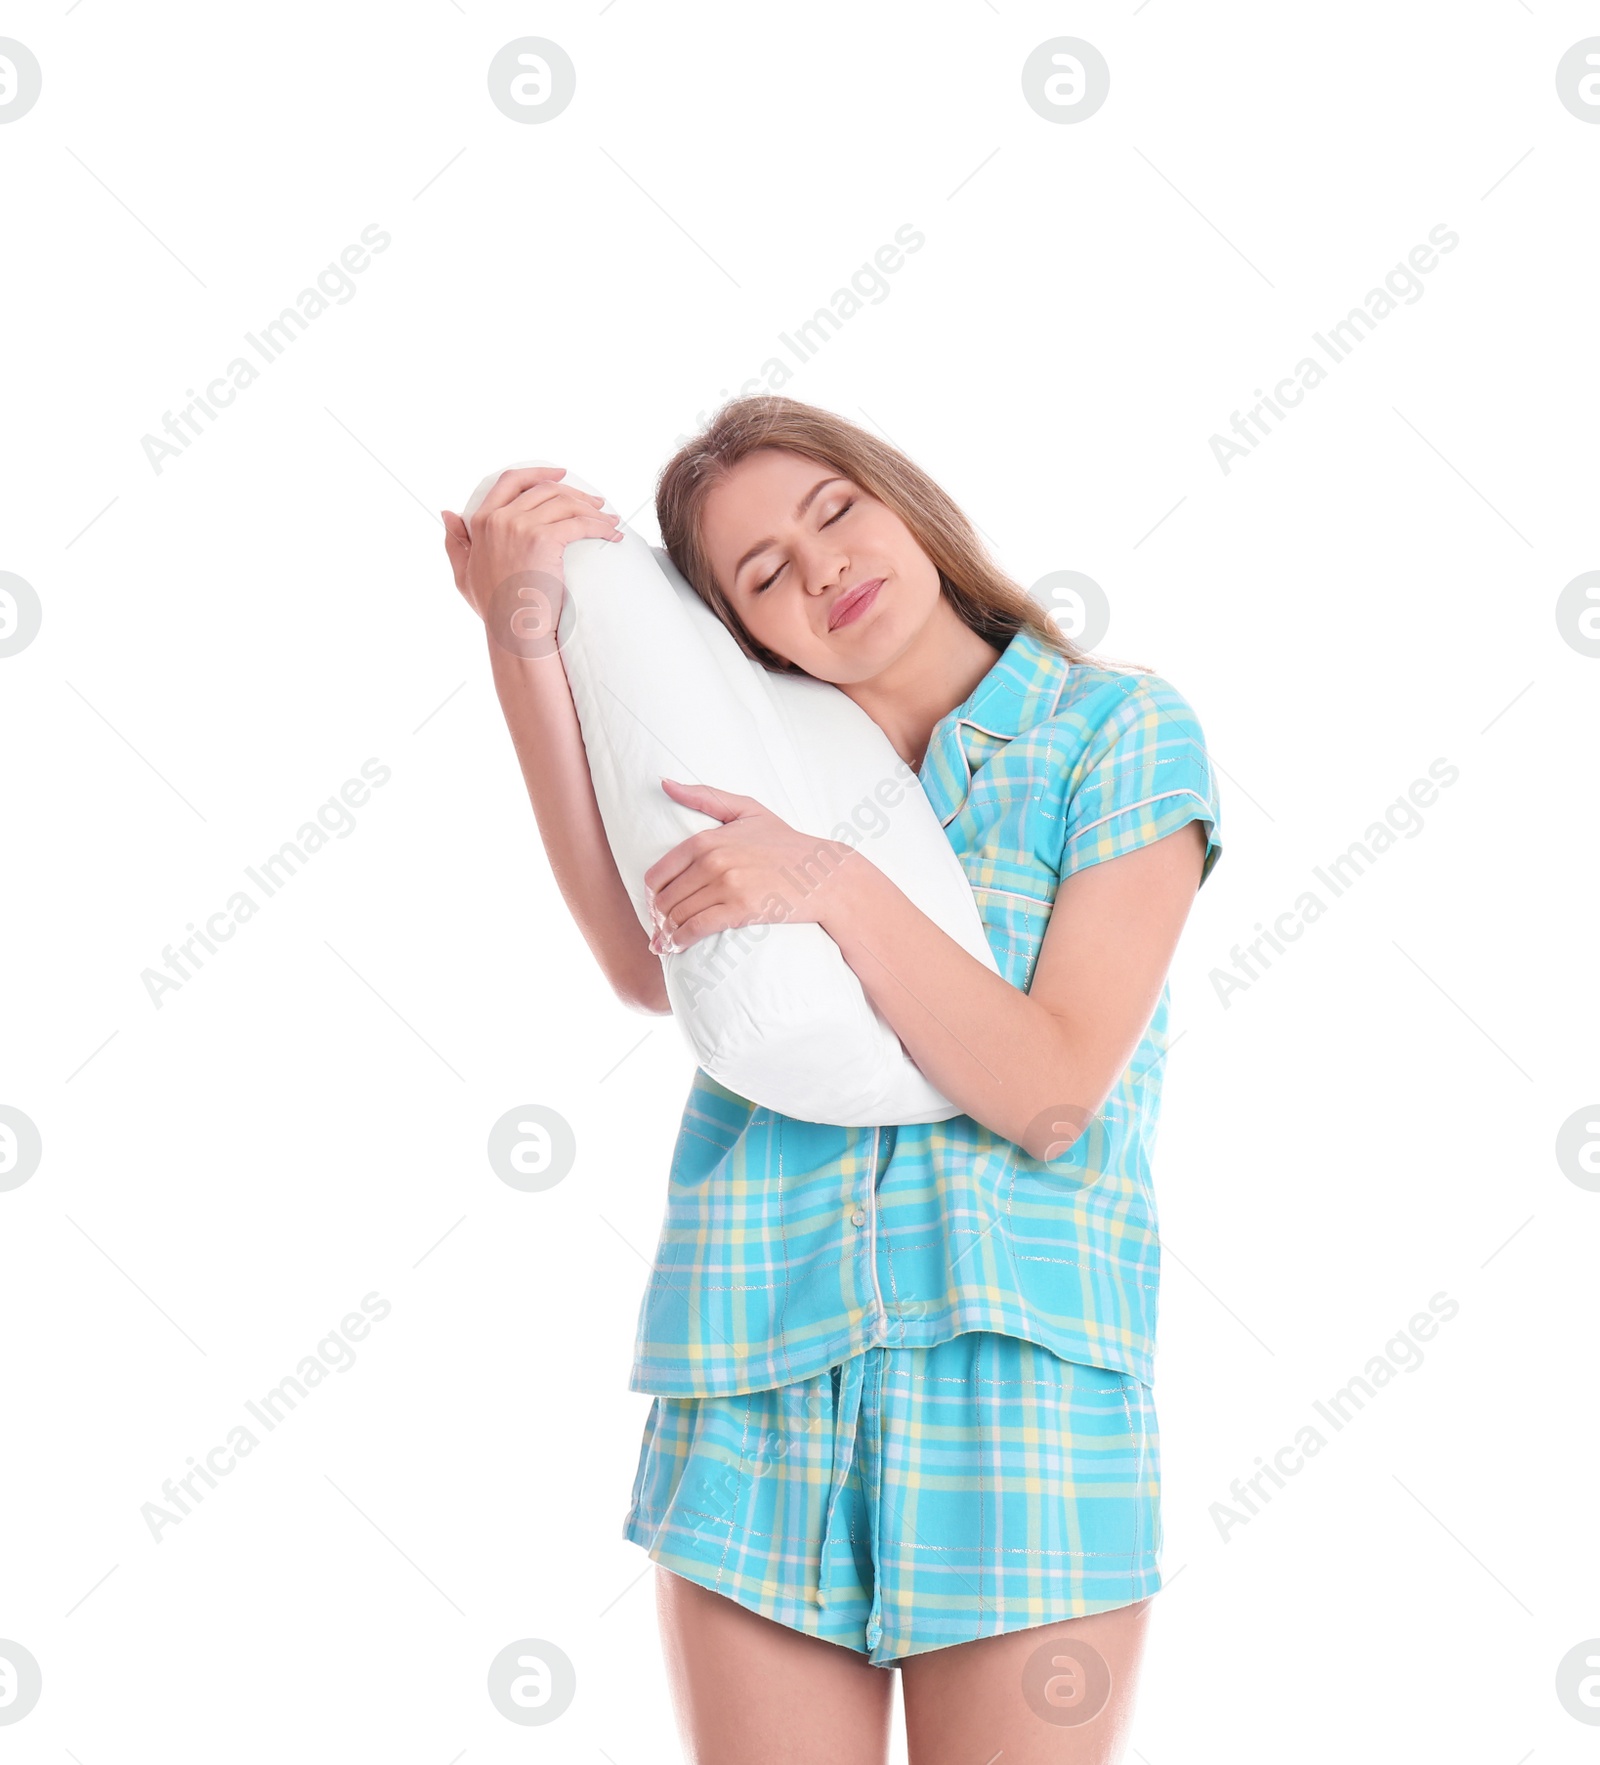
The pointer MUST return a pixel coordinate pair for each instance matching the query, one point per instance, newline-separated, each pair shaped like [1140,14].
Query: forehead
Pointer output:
[766,483]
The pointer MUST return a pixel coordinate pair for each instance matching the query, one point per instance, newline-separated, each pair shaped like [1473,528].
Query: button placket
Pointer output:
[882,1157]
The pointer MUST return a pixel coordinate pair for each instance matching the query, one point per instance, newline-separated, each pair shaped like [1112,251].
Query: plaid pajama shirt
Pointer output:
[795,1252]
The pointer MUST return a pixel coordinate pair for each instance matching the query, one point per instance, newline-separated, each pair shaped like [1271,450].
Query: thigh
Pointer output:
[1061,1694]
[749,1689]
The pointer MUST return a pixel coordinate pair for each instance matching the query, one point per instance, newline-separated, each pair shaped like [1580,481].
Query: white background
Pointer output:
[225,641]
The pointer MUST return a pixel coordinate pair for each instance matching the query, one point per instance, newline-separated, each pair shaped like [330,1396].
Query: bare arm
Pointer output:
[519,534]
[1034,1066]
[543,721]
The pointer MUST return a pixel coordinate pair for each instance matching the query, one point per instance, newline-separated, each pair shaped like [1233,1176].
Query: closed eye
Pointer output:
[850,504]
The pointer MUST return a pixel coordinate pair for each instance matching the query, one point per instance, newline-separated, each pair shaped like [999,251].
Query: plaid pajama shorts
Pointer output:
[911,1498]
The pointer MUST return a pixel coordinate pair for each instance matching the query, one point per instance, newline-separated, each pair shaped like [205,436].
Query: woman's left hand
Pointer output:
[752,870]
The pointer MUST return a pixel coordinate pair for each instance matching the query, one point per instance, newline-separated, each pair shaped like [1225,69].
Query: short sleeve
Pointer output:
[1144,772]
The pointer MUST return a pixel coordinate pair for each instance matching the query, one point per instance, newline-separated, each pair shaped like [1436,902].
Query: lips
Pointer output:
[853,602]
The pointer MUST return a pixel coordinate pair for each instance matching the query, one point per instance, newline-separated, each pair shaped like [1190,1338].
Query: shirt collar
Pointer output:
[1020,690]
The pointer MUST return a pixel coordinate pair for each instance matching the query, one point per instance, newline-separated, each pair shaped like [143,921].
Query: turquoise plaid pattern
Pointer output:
[913,1499]
[789,1246]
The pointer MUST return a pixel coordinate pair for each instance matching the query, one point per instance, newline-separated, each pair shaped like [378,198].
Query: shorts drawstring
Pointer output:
[852,1376]
[845,1422]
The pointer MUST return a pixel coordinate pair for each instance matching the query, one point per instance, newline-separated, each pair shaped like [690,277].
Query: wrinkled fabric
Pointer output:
[911,1499]
[789,1247]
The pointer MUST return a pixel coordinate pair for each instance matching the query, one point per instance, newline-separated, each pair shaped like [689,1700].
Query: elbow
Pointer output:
[1053,1130]
[645,993]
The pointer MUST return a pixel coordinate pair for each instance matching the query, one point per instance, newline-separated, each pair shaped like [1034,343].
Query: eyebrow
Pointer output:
[799,509]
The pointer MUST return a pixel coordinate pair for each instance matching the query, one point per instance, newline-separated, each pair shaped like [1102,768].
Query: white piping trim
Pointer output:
[1128,808]
[1011,895]
[1005,735]
[881,1318]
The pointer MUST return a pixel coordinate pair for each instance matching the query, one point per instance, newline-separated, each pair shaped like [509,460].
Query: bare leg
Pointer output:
[1061,1694]
[752,1692]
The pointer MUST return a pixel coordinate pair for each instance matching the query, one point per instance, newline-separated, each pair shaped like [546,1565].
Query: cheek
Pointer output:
[917,576]
[909,559]
[764,617]
[777,624]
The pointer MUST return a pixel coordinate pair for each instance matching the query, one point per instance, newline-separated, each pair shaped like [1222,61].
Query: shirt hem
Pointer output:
[767,1371]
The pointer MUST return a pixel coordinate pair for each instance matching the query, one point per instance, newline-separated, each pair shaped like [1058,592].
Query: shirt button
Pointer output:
[858,1218]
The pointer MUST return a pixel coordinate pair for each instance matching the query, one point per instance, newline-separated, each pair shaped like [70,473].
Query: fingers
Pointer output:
[527,488]
[595,526]
[511,484]
[667,875]
[544,507]
[682,922]
[675,886]
[725,805]
[566,494]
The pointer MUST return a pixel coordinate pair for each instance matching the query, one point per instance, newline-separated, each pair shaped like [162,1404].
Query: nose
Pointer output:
[819,581]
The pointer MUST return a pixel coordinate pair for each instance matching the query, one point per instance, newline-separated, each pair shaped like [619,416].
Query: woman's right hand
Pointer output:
[507,560]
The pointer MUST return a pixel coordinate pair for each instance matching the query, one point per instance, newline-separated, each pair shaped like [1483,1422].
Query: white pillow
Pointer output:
[773,1012]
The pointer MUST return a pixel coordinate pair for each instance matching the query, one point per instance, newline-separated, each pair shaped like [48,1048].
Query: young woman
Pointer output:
[902,1375]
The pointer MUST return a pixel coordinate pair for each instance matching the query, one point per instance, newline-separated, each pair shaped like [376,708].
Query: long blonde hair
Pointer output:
[987,600]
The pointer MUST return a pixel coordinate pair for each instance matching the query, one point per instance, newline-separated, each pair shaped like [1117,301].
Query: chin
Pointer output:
[867,664]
